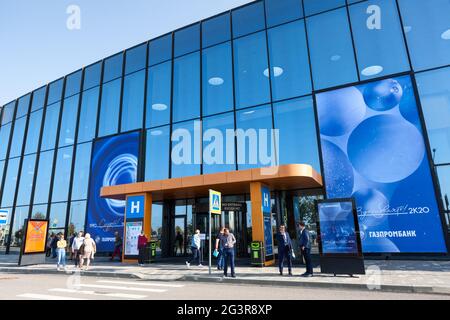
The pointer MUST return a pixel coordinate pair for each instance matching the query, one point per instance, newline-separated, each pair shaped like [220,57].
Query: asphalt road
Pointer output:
[65,287]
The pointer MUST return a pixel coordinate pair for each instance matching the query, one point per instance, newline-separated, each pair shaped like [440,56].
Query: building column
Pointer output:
[256,197]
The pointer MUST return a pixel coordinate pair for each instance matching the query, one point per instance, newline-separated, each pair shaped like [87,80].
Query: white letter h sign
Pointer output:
[135,207]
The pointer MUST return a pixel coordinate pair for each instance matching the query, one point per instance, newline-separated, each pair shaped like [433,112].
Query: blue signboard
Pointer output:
[267,212]
[337,228]
[114,162]
[373,150]
[135,207]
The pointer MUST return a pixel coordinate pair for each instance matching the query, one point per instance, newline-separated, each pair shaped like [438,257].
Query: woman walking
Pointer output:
[61,246]
[89,249]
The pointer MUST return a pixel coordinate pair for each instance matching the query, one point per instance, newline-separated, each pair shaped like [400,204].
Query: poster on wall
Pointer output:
[133,230]
[338,232]
[267,213]
[373,149]
[36,236]
[114,162]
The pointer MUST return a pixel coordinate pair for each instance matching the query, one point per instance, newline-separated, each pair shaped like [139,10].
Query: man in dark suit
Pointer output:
[305,246]
[284,249]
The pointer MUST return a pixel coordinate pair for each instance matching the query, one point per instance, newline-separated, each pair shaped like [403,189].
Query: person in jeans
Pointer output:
[229,242]
[305,246]
[76,245]
[284,249]
[195,248]
[117,247]
[220,241]
[142,242]
[61,246]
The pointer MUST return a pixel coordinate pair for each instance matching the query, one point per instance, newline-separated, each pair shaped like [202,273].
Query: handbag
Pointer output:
[215,253]
[292,254]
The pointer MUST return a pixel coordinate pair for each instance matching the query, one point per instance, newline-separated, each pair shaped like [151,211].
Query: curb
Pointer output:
[322,285]
[83,273]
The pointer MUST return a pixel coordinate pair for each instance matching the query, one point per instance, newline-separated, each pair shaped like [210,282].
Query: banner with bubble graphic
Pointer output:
[373,150]
[114,162]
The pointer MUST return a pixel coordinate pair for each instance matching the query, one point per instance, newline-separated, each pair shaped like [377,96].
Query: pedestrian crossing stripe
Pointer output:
[93,293]
[45,297]
[141,283]
[99,286]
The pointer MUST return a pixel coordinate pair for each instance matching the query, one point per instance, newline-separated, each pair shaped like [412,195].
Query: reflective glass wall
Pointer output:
[254,67]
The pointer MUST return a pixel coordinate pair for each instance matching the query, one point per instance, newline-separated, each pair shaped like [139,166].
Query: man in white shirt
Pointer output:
[76,245]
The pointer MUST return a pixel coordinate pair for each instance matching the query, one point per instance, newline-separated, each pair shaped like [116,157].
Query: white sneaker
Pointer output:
[188,264]
[200,265]
[58,269]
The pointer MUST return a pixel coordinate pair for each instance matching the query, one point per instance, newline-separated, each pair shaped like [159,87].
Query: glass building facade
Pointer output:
[258,66]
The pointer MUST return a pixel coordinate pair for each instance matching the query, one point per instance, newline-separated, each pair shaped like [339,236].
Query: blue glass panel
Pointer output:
[186,90]
[136,59]
[26,180]
[250,66]
[444,183]
[160,50]
[73,84]
[17,141]
[113,68]
[434,91]
[55,91]
[8,112]
[158,94]
[298,138]
[157,154]
[44,176]
[23,106]
[187,40]
[109,114]
[380,47]
[218,147]
[77,216]
[316,6]
[69,121]
[34,131]
[186,151]
[61,180]
[133,101]
[251,142]
[281,11]
[88,115]
[2,169]
[217,79]
[57,216]
[50,127]
[289,61]
[5,133]
[9,189]
[20,214]
[332,56]
[81,171]
[38,99]
[92,75]
[427,27]
[216,30]
[39,211]
[248,19]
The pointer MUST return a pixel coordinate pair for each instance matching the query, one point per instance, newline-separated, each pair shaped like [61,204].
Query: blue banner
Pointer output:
[135,207]
[267,213]
[114,162]
[373,150]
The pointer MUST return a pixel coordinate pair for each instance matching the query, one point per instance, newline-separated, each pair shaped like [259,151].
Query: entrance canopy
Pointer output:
[286,177]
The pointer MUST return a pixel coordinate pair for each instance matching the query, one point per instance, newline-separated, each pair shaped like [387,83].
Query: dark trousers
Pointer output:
[284,253]
[76,257]
[117,252]
[195,255]
[228,260]
[307,255]
[141,258]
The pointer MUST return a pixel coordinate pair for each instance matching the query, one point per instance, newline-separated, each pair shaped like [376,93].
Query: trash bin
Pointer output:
[150,251]
[257,252]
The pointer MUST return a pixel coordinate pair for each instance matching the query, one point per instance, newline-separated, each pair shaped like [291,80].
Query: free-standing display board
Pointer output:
[339,237]
[34,242]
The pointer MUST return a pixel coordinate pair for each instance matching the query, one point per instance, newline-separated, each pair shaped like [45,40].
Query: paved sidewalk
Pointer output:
[386,275]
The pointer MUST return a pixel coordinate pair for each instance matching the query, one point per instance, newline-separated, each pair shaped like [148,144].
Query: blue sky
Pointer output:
[37,47]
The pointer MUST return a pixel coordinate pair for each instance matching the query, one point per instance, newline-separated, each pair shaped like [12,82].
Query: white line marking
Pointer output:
[120,288]
[93,293]
[141,283]
[45,297]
